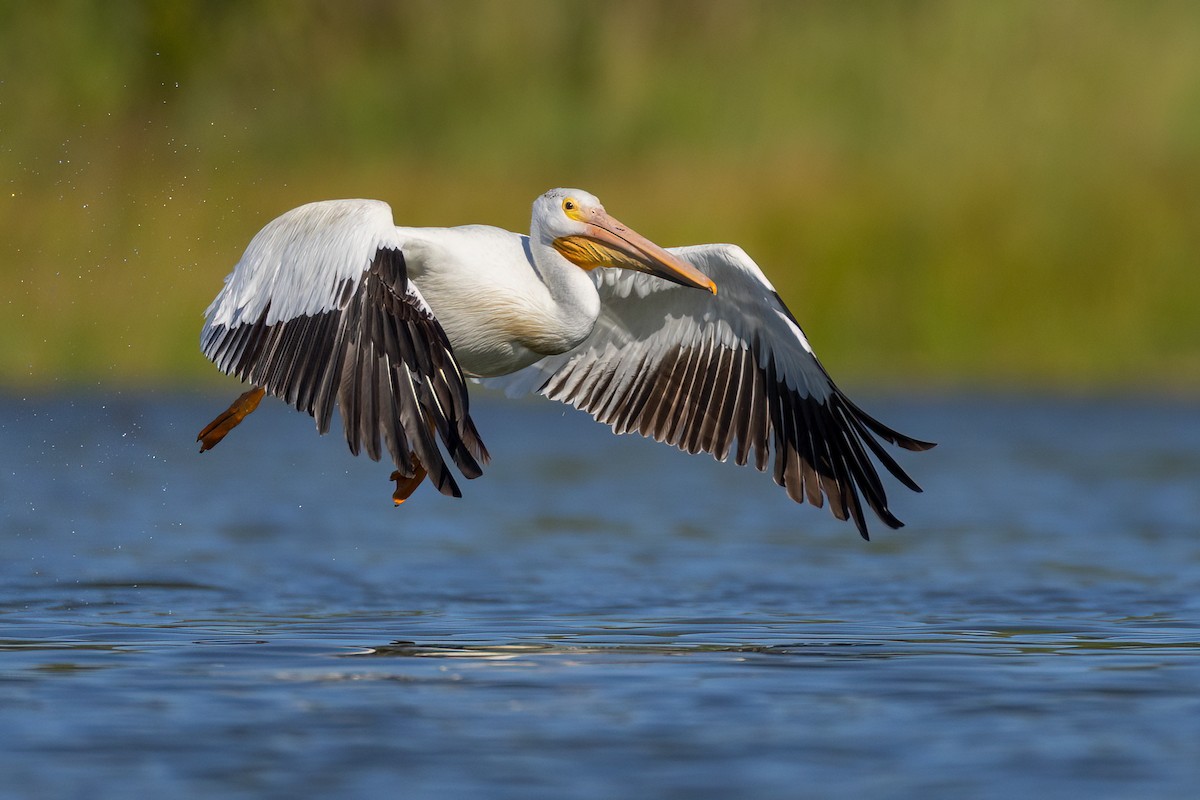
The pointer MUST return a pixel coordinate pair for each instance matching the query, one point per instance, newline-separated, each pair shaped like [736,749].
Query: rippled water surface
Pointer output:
[599,616]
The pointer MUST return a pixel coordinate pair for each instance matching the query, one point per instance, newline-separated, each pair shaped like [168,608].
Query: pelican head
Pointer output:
[577,226]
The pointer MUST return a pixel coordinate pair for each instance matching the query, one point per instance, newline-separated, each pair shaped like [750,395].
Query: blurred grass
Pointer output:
[952,193]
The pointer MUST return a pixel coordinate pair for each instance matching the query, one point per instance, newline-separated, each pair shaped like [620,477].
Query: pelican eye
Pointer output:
[569,205]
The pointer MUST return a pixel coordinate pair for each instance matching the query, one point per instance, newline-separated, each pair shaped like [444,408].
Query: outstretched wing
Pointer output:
[725,374]
[319,311]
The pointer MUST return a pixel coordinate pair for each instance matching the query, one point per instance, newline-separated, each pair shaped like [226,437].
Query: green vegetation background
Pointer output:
[946,193]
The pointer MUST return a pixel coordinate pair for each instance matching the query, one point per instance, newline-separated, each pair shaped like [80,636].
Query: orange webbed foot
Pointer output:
[406,486]
[229,418]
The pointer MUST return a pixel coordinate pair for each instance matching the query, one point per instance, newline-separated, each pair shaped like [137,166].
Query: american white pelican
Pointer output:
[333,305]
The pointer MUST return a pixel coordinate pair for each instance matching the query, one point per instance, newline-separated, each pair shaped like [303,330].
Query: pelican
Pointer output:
[334,306]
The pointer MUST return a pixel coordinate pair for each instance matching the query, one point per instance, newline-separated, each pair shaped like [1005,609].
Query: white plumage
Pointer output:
[332,305]
[297,262]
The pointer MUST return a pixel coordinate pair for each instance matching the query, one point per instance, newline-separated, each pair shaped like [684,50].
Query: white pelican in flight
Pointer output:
[333,305]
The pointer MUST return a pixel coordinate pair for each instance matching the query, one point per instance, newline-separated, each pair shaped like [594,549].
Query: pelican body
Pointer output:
[334,306]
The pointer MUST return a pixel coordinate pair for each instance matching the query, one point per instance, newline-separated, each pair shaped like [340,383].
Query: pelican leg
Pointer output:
[228,419]
[406,486]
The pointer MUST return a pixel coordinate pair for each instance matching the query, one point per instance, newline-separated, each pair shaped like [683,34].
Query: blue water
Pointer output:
[599,616]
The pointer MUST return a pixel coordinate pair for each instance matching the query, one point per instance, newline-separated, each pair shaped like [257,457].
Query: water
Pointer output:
[600,616]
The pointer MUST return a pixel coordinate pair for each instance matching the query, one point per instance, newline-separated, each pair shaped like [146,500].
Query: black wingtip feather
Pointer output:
[817,447]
